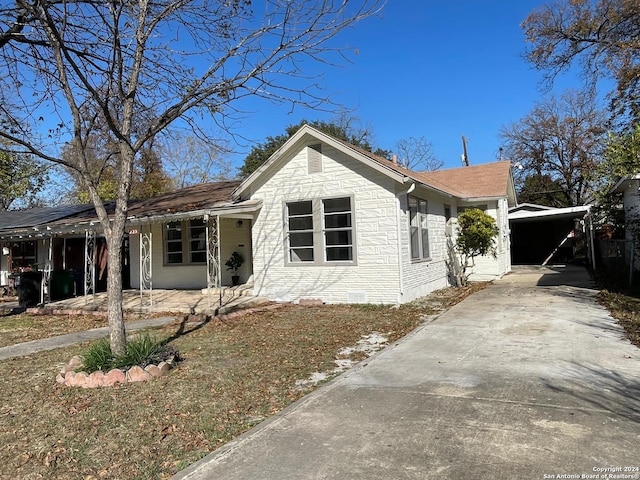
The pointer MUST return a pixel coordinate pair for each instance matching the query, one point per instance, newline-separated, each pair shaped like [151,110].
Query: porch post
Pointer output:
[146,266]
[89,263]
[213,255]
[46,278]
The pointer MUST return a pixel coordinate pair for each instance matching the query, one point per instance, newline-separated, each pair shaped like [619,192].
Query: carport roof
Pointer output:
[550,214]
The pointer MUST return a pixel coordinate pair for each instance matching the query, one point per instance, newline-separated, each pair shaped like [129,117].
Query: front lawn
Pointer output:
[235,374]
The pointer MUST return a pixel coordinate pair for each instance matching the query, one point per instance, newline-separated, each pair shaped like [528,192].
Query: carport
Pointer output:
[543,235]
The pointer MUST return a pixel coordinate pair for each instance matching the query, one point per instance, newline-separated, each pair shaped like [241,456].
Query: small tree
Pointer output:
[476,236]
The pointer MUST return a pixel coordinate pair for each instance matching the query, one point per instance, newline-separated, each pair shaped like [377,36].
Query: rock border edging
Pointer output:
[70,378]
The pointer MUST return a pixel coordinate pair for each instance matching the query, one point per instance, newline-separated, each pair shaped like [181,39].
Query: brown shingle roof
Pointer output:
[196,197]
[477,181]
[487,180]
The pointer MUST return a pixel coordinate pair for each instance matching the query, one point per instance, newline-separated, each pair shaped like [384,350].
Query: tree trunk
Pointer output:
[117,332]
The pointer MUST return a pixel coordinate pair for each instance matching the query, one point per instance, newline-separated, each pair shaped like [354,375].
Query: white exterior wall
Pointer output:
[187,277]
[424,276]
[375,276]
[489,268]
[631,203]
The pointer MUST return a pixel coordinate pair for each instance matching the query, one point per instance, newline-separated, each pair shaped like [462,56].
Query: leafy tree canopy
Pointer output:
[621,159]
[601,36]
[21,178]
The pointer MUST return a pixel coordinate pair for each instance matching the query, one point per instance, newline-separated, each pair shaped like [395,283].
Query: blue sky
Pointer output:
[429,68]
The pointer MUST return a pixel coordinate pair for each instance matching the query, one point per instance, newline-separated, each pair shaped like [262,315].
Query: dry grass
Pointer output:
[26,327]
[235,374]
[625,308]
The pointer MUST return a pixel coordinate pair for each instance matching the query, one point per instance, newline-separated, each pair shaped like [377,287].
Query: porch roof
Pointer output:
[191,202]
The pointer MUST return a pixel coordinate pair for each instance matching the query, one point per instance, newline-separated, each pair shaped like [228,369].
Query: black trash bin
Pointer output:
[29,289]
[61,285]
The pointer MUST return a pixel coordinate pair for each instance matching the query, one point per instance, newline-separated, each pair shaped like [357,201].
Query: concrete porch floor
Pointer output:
[218,301]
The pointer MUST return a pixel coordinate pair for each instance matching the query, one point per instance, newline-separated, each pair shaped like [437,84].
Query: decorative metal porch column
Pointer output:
[213,256]
[146,266]
[90,264]
[46,277]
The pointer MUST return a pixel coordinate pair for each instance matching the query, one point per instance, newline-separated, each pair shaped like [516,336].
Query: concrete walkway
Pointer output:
[530,377]
[27,348]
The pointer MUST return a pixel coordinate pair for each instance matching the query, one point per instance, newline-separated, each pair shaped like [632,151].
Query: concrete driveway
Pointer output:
[528,379]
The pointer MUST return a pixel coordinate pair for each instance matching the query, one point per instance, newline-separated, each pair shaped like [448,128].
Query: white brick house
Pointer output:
[344,226]
[321,219]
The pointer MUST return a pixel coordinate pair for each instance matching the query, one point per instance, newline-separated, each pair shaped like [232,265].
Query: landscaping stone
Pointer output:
[114,376]
[164,367]
[137,374]
[153,370]
[311,301]
[70,378]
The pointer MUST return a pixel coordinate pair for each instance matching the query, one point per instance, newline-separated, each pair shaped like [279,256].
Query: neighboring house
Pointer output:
[321,219]
[629,188]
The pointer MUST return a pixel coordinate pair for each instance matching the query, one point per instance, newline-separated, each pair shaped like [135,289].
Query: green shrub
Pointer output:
[142,351]
[98,357]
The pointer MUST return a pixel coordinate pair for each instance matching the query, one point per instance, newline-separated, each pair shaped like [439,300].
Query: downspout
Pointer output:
[399,235]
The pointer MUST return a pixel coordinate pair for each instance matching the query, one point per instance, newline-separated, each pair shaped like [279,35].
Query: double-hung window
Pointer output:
[338,235]
[185,242]
[301,233]
[419,228]
[320,231]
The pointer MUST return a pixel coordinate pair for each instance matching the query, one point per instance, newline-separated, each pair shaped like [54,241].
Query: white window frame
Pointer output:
[323,236]
[186,242]
[418,217]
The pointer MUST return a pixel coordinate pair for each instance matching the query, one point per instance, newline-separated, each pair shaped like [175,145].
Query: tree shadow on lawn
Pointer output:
[184,330]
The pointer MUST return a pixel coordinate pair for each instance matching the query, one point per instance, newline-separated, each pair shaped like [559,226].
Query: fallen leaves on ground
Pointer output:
[235,374]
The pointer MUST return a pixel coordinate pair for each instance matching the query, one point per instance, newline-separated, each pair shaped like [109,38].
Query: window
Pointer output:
[418,227]
[320,231]
[197,241]
[185,242]
[23,254]
[173,243]
[300,222]
[337,229]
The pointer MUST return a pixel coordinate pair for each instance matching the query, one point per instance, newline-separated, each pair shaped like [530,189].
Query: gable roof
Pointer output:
[306,133]
[487,181]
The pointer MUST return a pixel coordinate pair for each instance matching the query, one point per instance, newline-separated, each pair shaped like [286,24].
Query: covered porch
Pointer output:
[196,302]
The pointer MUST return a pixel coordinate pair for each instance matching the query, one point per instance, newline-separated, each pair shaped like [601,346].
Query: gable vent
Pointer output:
[314,158]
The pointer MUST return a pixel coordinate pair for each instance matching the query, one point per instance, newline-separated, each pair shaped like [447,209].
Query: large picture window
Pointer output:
[419,228]
[320,231]
[185,242]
